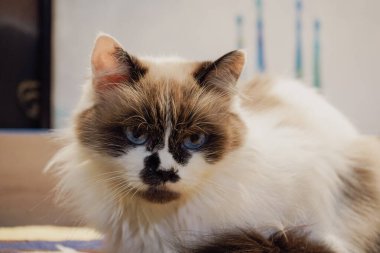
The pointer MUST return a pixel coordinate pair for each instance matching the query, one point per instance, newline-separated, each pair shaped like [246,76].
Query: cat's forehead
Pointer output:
[166,93]
[172,68]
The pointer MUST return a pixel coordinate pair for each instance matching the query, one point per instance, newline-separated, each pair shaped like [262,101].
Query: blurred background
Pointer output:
[331,44]
[45,46]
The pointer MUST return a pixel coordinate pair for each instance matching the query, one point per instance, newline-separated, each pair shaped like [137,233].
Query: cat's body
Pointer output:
[284,159]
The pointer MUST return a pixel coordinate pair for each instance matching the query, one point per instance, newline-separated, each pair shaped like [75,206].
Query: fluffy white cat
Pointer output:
[167,155]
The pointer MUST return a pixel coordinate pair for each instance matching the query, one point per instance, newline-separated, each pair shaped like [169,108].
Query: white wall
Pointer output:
[200,29]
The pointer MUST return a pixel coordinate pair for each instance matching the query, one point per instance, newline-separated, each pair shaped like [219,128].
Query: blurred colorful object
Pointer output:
[298,56]
[239,30]
[49,239]
[260,37]
[316,55]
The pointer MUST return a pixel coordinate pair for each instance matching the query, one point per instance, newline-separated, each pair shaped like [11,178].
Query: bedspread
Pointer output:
[48,239]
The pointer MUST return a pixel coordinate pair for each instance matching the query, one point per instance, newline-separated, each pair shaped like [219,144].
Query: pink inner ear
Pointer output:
[103,63]
[106,69]
[103,55]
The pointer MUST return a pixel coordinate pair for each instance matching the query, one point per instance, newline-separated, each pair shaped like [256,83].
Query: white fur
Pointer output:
[280,177]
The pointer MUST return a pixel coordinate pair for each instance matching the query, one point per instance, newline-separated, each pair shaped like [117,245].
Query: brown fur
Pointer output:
[257,96]
[159,195]
[358,188]
[136,69]
[360,194]
[252,242]
[191,108]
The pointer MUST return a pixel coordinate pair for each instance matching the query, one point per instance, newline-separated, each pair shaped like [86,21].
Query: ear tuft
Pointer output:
[232,62]
[223,72]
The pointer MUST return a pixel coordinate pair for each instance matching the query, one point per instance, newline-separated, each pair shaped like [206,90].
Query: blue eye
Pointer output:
[136,136]
[194,141]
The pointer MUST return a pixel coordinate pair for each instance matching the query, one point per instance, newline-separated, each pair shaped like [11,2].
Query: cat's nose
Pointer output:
[154,177]
[167,175]
[154,174]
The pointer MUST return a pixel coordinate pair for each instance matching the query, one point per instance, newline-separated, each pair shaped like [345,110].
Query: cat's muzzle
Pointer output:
[160,176]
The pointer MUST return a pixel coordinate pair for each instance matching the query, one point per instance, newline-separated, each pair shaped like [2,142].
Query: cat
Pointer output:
[169,155]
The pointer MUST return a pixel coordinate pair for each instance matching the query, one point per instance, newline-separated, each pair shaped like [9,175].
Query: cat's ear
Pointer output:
[111,65]
[221,73]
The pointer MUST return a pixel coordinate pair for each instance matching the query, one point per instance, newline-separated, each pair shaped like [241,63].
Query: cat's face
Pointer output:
[164,125]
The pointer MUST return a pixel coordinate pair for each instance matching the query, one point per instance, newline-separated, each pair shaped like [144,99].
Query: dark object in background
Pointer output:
[25,63]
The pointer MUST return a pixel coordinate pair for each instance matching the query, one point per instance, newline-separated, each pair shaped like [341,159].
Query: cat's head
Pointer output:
[164,125]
